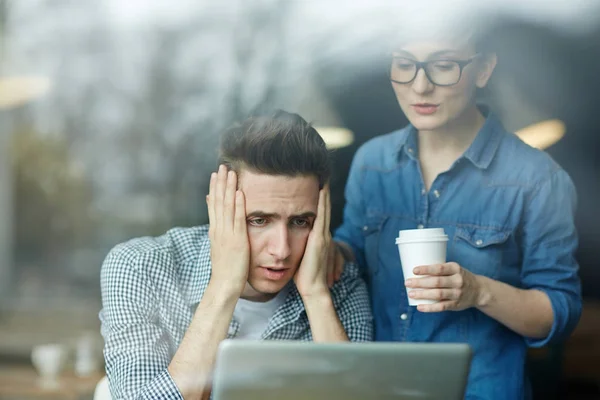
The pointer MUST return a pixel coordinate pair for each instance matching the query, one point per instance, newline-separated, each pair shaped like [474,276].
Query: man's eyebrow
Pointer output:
[308,214]
[262,214]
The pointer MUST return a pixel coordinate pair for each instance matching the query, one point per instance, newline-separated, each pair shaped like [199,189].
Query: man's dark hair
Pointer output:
[276,143]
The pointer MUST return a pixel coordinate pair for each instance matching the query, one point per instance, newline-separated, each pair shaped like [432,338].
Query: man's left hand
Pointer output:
[311,277]
[454,287]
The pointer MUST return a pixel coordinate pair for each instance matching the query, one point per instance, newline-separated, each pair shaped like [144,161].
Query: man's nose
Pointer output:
[279,246]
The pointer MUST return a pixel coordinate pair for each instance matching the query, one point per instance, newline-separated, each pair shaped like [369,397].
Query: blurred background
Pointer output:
[110,114]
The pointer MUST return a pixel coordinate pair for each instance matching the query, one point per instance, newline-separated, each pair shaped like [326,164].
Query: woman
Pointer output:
[510,280]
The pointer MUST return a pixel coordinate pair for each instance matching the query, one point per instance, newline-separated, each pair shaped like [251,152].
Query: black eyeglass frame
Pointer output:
[423,65]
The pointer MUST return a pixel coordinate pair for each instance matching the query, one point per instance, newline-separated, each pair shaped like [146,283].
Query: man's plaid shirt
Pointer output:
[150,290]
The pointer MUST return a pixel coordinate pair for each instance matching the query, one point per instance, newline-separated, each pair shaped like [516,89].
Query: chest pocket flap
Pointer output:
[480,237]
[481,250]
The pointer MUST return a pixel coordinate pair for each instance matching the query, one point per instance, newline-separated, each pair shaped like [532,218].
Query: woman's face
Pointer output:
[429,106]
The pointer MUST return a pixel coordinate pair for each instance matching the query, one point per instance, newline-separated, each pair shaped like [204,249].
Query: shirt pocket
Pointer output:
[480,249]
[372,233]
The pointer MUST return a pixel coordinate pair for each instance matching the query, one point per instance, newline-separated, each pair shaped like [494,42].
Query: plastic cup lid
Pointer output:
[424,240]
[420,234]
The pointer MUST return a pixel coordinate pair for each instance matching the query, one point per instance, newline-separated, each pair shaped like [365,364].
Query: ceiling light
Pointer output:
[18,90]
[543,134]
[335,137]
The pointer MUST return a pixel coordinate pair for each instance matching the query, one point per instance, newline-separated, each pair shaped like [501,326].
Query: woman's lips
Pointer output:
[425,108]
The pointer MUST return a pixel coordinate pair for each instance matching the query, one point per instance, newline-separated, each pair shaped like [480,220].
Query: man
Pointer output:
[258,270]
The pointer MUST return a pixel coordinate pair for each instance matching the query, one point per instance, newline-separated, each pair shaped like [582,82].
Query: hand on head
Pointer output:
[312,275]
[230,250]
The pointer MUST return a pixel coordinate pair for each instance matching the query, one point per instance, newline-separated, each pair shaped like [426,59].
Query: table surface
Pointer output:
[22,382]
[581,360]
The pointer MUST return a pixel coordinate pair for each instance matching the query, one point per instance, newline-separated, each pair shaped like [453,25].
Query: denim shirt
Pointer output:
[508,211]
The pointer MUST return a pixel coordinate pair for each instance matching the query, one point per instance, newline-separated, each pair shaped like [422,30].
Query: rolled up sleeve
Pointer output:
[549,244]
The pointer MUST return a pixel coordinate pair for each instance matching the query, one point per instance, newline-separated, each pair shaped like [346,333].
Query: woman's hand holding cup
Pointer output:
[453,287]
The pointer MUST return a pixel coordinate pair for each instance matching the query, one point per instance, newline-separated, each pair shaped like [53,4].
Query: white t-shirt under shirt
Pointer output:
[253,316]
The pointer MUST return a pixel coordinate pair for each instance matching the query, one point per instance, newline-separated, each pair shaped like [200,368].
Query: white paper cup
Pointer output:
[421,247]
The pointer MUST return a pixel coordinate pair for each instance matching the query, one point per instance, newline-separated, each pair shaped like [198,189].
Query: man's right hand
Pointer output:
[230,250]
[193,363]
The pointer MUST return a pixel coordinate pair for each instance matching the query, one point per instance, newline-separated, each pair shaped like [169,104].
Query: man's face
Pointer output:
[280,212]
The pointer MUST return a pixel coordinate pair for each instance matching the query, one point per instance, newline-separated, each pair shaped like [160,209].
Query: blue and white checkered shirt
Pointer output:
[150,290]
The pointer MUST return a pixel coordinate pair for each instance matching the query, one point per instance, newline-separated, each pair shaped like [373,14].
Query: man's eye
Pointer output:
[300,222]
[258,221]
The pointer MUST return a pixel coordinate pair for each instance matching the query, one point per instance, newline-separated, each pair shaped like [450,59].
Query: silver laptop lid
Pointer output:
[267,370]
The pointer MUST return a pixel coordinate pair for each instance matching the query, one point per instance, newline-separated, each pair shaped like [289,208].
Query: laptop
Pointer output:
[265,370]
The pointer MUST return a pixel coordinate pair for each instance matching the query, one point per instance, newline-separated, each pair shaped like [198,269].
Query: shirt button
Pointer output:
[410,151]
[403,317]
[436,193]
[420,226]
[365,228]
[422,191]
[479,242]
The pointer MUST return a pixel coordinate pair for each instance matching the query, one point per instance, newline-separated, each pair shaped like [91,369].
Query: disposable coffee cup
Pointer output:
[421,247]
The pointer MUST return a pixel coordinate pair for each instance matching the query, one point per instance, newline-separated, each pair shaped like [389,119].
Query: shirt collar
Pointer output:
[481,151]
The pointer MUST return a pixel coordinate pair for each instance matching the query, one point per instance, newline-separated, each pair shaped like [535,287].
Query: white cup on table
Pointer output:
[49,360]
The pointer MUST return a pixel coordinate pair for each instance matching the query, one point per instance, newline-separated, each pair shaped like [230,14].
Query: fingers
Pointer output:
[240,212]
[320,219]
[327,209]
[220,187]
[210,199]
[222,199]
[230,199]
[446,269]
[437,307]
[431,282]
[434,294]
[331,264]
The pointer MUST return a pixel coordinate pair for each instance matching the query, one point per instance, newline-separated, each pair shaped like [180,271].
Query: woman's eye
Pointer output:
[445,66]
[405,65]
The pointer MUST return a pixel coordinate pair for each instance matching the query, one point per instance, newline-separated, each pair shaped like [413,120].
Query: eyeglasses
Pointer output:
[439,72]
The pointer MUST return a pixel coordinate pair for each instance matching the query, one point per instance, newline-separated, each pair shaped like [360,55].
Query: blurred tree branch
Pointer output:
[52,199]
[3,22]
